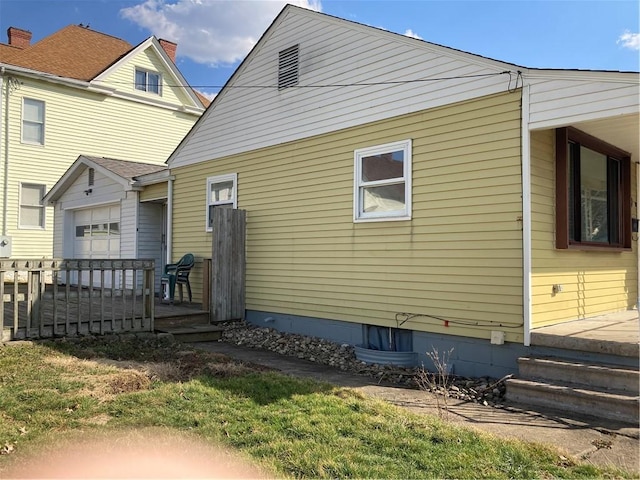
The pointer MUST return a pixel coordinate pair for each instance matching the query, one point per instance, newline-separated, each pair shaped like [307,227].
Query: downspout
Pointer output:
[637,243]
[526,216]
[169,219]
[4,137]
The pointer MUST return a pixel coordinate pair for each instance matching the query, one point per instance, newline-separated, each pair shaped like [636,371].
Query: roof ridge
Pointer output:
[87,28]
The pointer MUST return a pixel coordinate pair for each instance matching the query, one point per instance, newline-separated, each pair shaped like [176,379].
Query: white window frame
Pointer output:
[40,205]
[359,186]
[234,201]
[40,123]
[146,81]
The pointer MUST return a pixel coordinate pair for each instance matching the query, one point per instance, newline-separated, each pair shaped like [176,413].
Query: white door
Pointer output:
[97,235]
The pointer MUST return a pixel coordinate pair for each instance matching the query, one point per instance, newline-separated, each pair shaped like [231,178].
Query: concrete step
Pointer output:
[193,333]
[601,376]
[575,398]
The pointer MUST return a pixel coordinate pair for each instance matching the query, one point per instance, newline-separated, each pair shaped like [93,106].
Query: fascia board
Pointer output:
[72,174]
[232,79]
[153,178]
[27,72]
[585,75]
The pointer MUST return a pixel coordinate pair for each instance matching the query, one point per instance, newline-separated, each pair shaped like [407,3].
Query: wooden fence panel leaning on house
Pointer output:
[54,297]
[228,264]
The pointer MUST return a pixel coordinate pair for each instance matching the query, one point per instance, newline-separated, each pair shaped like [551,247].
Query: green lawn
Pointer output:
[287,427]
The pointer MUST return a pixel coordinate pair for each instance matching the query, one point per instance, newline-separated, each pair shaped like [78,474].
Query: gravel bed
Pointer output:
[482,390]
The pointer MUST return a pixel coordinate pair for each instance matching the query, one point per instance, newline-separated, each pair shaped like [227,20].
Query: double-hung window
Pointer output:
[148,81]
[31,207]
[221,193]
[32,121]
[382,186]
[593,191]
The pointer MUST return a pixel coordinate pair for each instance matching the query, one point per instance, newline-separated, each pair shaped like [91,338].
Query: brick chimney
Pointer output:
[19,38]
[170,48]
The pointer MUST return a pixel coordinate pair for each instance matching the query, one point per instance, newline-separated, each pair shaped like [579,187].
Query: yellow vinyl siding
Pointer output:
[594,282]
[154,192]
[79,122]
[459,258]
[123,78]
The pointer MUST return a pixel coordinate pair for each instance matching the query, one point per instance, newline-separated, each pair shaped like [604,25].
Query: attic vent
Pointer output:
[92,174]
[288,67]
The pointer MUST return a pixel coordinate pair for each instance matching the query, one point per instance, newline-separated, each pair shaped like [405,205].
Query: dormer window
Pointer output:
[148,81]
[288,67]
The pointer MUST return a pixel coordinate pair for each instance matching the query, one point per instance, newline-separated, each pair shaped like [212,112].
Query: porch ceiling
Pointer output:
[622,131]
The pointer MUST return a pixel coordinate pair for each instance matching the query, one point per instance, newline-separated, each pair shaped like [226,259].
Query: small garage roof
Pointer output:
[124,172]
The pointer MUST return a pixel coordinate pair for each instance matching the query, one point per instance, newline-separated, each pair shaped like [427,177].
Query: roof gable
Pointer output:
[149,54]
[347,70]
[123,172]
[72,52]
[349,74]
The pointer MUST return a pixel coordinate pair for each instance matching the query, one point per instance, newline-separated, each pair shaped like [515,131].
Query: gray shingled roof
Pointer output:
[125,168]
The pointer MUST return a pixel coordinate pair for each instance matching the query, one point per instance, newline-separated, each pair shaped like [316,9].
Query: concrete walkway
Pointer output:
[598,442]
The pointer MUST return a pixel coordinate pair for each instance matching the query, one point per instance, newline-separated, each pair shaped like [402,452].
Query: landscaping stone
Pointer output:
[482,390]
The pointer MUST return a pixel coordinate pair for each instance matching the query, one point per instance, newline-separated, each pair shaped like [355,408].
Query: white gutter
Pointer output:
[169,219]
[526,216]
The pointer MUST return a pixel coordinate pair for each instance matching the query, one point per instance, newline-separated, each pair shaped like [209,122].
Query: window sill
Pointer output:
[596,248]
[381,219]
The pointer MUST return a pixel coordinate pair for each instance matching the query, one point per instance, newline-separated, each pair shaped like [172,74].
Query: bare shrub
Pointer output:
[438,382]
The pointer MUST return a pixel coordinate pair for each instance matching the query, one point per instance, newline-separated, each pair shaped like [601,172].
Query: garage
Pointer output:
[97,232]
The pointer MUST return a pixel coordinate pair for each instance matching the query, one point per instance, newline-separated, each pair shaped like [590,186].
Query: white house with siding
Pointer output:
[397,186]
[120,220]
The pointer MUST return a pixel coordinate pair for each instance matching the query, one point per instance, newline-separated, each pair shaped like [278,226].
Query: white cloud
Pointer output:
[412,34]
[629,40]
[207,95]
[214,32]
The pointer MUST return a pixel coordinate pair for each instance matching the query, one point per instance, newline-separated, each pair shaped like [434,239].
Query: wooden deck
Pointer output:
[97,314]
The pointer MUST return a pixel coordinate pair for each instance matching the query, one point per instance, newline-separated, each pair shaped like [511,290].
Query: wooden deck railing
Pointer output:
[57,297]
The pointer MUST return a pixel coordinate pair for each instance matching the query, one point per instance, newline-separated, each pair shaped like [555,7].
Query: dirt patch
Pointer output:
[126,381]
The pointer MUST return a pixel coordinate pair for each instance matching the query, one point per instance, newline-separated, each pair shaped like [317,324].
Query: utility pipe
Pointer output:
[4,137]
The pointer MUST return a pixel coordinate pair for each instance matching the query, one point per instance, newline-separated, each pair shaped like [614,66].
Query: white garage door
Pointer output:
[97,235]
[97,232]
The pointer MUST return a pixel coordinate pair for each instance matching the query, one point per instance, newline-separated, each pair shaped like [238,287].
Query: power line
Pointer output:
[338,85]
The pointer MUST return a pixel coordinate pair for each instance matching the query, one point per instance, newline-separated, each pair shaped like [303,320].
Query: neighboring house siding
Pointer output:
[334,52]
[459,258]
[124,79]
[156,191]
[594,282]
[79,122]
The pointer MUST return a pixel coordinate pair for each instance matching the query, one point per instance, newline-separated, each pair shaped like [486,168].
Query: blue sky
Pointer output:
[213,36]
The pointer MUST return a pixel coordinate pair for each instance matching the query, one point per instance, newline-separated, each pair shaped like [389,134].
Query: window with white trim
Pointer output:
[148,81]
[32,212]
[221,193]
[382,182]
[32,121]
